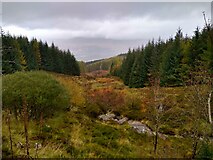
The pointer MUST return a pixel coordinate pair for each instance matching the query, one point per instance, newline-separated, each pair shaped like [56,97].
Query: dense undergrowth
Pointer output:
[76,131]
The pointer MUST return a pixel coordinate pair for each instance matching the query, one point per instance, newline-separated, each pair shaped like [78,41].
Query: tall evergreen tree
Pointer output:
[36,53]
[170,71]
[20,54]
[12,56]
[173,60]
[127,66]
[138,73]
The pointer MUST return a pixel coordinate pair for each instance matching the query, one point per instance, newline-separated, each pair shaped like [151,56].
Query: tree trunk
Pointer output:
[209,107]
[26,126]
[41,122]
[195,142]
[194,149]
[10,134]
[156,140]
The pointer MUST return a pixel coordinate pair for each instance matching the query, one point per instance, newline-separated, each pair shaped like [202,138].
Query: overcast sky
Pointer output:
[99,30]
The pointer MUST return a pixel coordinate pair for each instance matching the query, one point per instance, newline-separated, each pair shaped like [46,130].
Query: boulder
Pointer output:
[139,127]
[123,120]
[107,117]
[110,115]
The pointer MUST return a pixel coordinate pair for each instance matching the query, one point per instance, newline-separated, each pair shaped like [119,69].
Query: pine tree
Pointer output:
[196,49]
[138,73]
[36,53]
[20,54]
[185,61]
[170,67]
[127,66]
[12,56]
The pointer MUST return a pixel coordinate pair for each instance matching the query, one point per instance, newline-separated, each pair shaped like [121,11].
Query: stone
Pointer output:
[123,120]
[110,115]
[139,127]
[103,117]
[107,117]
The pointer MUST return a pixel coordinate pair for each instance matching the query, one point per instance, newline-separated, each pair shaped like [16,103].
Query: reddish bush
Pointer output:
[107,99]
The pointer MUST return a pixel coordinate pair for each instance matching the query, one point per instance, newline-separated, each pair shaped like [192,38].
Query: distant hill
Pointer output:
[104,64]
[101,64]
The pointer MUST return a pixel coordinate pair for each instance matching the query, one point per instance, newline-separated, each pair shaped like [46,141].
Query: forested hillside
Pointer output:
[19,53]
[103,64]
[174,61]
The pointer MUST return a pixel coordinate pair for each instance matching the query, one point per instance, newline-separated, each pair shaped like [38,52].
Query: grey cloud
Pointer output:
[98,30]
[43,15]
[97,48]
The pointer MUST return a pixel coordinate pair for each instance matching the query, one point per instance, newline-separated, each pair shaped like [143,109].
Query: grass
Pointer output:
[74,134]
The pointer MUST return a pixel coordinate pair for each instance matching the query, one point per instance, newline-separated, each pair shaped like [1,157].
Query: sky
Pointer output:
[95,30]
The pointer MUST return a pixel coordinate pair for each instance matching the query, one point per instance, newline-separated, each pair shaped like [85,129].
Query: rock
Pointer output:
[116,120]
[139,127]
[121,121]
[38,146]
[136,125]
[103,117]
[178,136]
[110,115]
[107,117]
[162,136]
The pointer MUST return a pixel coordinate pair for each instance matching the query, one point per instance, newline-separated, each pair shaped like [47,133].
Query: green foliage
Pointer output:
[170,71]
[133,107]
[21,54]
[110,64]
[173,60]
[82,66]
[92,110]
[42,92]
[127,66]
[206,151]
[105,136]
[138,75]
[75,133]
[13,58]
[36,55]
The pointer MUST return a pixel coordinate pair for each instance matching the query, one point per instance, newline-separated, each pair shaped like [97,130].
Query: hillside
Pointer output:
[102,64]
[79,133]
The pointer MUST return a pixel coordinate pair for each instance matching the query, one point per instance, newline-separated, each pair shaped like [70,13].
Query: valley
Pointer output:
[78,131]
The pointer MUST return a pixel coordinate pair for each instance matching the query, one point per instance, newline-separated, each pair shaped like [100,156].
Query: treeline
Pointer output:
[173,61]
[18,54]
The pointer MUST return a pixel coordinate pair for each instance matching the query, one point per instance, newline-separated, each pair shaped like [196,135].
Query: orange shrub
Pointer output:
[107,99]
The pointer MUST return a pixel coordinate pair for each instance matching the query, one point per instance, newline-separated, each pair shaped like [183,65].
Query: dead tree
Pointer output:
[156,108]
[199,96]
[10,133]
[209,107]
[25,118]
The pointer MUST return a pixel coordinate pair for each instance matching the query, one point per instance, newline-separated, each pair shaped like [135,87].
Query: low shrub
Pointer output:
[92,110]
[206,151]
[105,136]
[42,93]
[106,99]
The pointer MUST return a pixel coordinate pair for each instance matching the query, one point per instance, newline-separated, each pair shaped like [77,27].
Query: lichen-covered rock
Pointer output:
[139,127]
[107,117]
[136,125]
[123,120]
